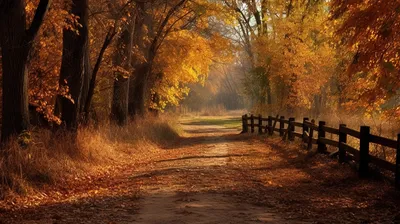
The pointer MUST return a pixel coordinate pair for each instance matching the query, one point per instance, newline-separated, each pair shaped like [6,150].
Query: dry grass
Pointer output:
[216,110]
[244,169]
[388,127]
[380,124]
[56,159]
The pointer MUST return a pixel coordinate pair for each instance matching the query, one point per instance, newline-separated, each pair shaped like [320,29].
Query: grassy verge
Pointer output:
[51,159]
[228,122]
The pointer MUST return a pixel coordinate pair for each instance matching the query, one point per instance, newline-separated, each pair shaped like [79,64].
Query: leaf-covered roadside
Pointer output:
[267,173]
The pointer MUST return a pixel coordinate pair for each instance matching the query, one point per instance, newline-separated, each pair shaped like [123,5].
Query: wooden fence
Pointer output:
[314,134]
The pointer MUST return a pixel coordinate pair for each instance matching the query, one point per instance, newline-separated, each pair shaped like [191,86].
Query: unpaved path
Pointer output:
[180,200]
[215,175]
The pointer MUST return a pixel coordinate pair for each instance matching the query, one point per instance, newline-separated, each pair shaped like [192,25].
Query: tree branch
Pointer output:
[153,47]
[170,28]
[237,9]
[107,41]
[38,18]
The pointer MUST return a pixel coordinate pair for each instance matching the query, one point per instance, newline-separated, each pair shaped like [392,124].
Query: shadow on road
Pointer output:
[203,157]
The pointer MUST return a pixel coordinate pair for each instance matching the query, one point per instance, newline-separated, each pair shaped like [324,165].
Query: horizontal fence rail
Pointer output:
[315,134]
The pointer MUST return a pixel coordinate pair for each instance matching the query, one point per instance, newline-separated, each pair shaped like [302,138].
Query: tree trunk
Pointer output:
[143,79]
[122,58]
[86,80]
[136,83]
[119,107]
[269,93]
[16,42]
[15,83]
[74,67]
[137,98]
[107,41]
[293,94]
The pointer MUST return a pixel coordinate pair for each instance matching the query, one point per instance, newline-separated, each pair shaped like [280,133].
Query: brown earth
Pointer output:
[215,175]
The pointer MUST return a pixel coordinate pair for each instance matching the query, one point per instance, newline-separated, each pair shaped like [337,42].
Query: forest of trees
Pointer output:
[67,63]
[320,56]
[72,61]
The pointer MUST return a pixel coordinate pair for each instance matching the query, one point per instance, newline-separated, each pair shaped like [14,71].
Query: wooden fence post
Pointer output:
[321,134]
[269,125]
[252,123]
[259,124]
[310,137]
[281,125]
[342,139]
[364,151]
[291,129]
[397,178]
[305,129]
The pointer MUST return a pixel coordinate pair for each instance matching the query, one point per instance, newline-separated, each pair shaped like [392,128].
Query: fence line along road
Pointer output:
[345,152]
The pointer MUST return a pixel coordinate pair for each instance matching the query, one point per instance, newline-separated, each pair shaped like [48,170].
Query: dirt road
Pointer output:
[187,189]
[215,175]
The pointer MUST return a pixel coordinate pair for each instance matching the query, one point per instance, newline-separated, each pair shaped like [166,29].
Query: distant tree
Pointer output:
[285,51]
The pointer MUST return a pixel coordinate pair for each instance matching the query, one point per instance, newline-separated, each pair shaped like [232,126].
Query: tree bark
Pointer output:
[74,67]
[135,90]
[16,43]
[137,98]
[122,58]
[292,97]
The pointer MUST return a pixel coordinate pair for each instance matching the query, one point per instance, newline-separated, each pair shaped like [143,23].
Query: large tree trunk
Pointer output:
[15,82]
[137,81]
[137,98]
[143,84]
[119,107]
[74,67]
[122,58]
[16,42]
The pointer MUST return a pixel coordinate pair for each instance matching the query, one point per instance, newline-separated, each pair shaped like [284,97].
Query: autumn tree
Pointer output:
[45,61]
[369,30]
[16,43]
[287,51]
[47,53]
[248,31]
[158,29]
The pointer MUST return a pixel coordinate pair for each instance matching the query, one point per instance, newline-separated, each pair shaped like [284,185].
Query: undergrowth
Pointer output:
[51,158]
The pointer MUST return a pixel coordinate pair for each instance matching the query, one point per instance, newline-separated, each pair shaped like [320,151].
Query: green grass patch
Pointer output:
[228,122]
